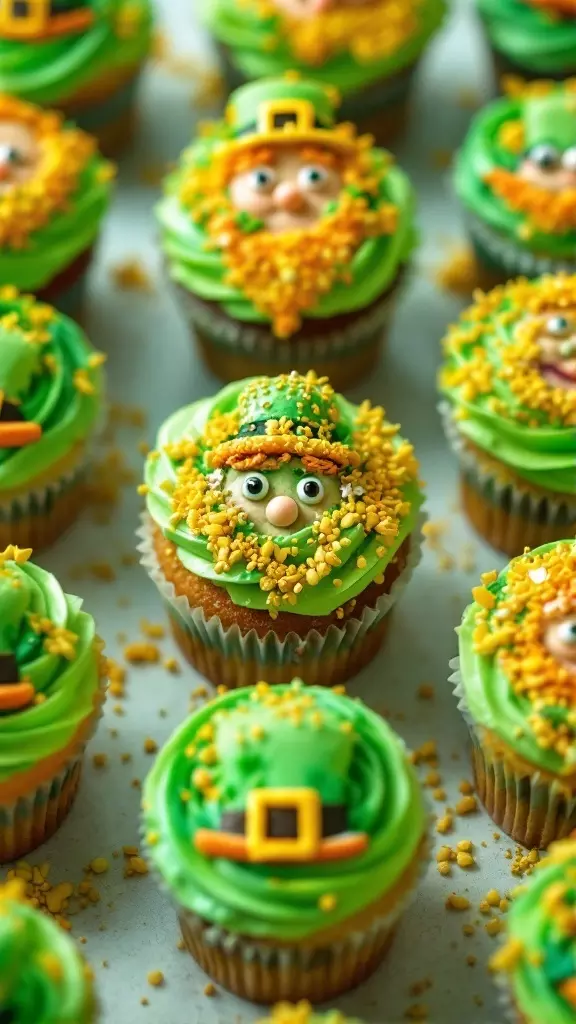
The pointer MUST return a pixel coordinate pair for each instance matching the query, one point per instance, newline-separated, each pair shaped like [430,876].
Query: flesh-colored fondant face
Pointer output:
[308,8]
[560,640]
[289,194]
[283,500]
[557,341]
[551,168]
[19,154]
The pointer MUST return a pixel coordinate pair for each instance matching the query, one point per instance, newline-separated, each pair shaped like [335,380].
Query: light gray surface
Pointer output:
[151,363]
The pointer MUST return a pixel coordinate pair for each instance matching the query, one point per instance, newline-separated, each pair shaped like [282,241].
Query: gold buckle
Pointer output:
[269,109]
[306,803]
[32,25]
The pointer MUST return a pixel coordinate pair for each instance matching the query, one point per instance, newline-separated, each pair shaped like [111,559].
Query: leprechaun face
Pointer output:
[549,167]
[557,342]
[560,640]
[19,154]
[289,193]
[284,500]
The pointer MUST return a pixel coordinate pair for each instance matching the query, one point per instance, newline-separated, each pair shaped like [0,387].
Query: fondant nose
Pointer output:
[282,511]
[289,197]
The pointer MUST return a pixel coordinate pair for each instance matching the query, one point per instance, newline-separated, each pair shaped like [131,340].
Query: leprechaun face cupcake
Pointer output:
[54,191]
[83,57]
[287,824]
[536,965]
[531,38]
[286,236]
[281,528]
[367,49]
[52,679]
[516,179]
[509,389]
[51,401]
[516,682]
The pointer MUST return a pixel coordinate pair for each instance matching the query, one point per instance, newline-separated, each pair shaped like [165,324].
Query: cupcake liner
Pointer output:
[231,658]
[39,516]
[530,808]
[501,256]
[111,119]
[503,65]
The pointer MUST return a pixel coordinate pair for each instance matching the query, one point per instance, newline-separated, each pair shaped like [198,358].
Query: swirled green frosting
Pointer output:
[540,952]
[43,979]
[52,373]
[51,71]
[56,649]
[242,584]
[535,39]
[200,268]
[282,737]
[247,34]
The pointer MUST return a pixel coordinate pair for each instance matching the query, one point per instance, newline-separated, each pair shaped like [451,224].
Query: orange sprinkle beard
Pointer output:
[553,213]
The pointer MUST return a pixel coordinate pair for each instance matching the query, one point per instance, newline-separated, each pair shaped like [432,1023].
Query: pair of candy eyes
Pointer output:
[309,489]
[312,177]
[549,158]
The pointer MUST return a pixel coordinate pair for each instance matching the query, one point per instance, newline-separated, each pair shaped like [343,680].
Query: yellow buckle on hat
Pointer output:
[306,803]
[300,116]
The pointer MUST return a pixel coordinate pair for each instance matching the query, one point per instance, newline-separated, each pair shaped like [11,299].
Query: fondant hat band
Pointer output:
[43,19]
[276,445]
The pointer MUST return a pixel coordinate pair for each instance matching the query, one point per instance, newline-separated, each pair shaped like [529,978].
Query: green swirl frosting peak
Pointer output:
[295,739]
[541,41]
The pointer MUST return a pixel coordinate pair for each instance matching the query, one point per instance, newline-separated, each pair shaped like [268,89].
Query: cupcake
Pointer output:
[304,1013]
[281,527]
[286,237]
[51,400]
[516,179]
[516,681]
[531,38]
[83,57]
[288,826]
[43,978]
[54,192]
[509,407]
[536,966]
[368,49]
[52,684]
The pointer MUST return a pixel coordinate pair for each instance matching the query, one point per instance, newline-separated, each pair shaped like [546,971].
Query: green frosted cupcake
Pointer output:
[536,966]
[288,826]
[516,179]
[367,49]
[43,978]
[51,404]
[531,38]
[83,57]
[286,236]
[303,1013]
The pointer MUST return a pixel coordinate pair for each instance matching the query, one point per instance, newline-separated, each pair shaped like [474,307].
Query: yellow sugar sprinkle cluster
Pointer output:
[539,588]
[511,136]
[284,275]
[483,355]
[28,206]
[58,640]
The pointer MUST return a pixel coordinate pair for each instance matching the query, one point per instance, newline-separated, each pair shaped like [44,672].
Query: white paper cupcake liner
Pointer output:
[511,258]
[40,501]
[316,655]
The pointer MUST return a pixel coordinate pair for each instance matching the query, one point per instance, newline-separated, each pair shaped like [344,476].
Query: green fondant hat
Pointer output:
[43,19]
[287,110]
[291,414]
[551,119]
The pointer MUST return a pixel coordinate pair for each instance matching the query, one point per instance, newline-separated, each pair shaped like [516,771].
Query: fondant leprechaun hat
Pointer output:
[284,111]
[288,415]
[35,20]
[551,119]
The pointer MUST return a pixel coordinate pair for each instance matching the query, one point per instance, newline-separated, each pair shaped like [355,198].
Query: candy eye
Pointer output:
[558,326]
[310,490]
[312,177]
[566,633]
[262,179]
[255,487]
[11,155]
[569,159]
[544,156]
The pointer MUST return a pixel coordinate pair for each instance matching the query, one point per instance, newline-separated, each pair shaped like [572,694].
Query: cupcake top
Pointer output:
[43,978]
[539,956]
[277,213]
[518,656]
[280,811]
[348,43]
[510,378]
[283,493]
[304,1013]
[51,385]
[51,51]
[50,665]
[536,34]
[54,191]
[516,170]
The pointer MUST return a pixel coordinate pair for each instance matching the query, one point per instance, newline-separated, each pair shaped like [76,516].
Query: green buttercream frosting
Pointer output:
[282,737]
[362,558]
[260,46]
[492,374]
[538,585]
[43,978]
[47,370]
[540,952]
[55,648]
[51,71]
[541,41]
